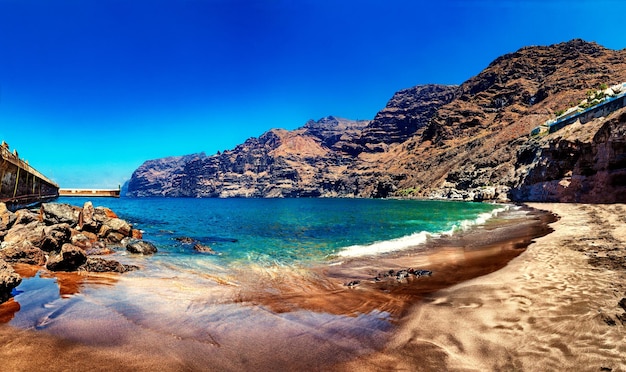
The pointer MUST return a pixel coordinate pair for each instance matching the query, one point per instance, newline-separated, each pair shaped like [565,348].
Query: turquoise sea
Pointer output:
[288,231]
[263,302]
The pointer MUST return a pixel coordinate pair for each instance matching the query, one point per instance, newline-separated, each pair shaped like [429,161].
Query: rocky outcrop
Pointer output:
[54,238]
[407,114]
[583,163]
[469,142]
[141,247]
[201,248]
[472,144]
[301,163]
[9,279]
[161,177]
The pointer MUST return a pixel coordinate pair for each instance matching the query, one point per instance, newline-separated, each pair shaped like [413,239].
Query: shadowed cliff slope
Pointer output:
[463,142]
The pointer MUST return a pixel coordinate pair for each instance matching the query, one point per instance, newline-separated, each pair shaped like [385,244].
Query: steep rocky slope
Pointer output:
[471,147]
[407,114]
[279,163]
[580,163]
[469,142]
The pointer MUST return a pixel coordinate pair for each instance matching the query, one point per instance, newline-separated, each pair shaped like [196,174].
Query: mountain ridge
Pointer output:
[434,141]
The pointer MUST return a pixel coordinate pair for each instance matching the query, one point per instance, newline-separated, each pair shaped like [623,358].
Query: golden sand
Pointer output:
[548,310]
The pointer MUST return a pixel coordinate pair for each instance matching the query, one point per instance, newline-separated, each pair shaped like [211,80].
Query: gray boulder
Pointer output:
[55,213]
[114,230]
[102,214]
[55,236]
[141,247]
[100,265]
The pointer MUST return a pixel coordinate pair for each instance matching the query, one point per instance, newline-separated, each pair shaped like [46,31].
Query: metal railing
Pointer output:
[13,157]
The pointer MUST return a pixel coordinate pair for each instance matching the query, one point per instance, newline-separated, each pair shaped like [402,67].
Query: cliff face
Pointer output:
[581,163]
[160,177]
[280,163]
[407,113]
[462,142]
[470,148]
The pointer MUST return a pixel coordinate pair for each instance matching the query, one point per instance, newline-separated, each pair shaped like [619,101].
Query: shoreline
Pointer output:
[453,259]
[306,311]
[555,307]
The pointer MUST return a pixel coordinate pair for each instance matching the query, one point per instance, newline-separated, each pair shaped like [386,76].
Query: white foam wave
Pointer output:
[417,238]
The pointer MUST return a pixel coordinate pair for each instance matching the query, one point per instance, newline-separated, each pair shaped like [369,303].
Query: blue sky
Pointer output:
[90,89]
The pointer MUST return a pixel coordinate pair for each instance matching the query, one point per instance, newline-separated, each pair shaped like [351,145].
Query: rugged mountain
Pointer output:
[469,142]
[279,163]
[162,177]
[471,147]
[407,113]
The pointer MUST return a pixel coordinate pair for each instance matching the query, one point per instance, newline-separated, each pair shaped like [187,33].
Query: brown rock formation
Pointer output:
[466,142]
[9,279]
[581,163]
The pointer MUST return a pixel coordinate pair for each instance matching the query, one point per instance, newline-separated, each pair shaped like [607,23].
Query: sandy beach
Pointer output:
[554,307]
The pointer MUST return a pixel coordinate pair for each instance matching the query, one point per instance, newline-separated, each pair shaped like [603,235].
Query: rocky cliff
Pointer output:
[463,142]
[302,163]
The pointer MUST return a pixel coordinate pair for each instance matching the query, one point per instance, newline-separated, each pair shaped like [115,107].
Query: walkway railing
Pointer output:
[14,158]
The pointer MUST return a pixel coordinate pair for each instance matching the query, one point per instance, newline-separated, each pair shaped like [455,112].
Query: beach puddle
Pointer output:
[42,292]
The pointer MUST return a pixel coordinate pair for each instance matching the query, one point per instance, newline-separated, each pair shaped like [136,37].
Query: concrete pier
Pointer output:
[111,193]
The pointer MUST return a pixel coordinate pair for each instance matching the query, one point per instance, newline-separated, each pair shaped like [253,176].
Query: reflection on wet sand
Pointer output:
[68,284]
[8,310]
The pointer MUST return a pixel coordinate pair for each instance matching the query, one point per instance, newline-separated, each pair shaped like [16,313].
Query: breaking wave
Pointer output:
[417,238]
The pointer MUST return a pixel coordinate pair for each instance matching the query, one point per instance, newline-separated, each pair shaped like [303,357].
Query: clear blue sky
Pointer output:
[89,89]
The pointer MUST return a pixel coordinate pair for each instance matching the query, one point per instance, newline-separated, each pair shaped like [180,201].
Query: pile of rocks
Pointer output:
[402,274]
[62,237]
[399,276]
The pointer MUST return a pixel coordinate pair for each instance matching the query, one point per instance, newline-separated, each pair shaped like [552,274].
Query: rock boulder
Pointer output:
[203,248]
[69,259]
[32,232]
[100,265]
[141,247]
[55,213]
[9,279]
[55,236]
[24,252]
[114,230]
[7,218]
[86,220]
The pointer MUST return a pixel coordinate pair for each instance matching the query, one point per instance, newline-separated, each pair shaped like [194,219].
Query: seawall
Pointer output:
[20,184]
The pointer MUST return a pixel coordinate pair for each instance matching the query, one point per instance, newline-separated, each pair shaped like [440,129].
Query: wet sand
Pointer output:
[306,318]
[554,308]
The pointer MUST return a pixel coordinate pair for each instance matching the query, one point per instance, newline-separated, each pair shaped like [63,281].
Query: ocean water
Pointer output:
[288,231]
[261,293]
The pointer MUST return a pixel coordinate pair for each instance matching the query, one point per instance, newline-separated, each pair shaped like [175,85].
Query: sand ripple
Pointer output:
[549,309]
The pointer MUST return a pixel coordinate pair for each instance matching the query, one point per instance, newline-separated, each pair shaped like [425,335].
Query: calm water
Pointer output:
[287,231]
